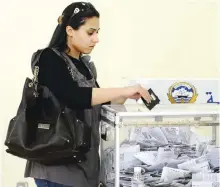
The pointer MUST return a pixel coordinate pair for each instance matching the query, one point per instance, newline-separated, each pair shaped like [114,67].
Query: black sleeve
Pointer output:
[55,75]
[106,103]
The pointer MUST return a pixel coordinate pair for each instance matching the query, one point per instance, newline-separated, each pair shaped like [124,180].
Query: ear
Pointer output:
[69,30]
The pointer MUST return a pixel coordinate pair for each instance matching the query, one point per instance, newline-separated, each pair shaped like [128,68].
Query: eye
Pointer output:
[92,32]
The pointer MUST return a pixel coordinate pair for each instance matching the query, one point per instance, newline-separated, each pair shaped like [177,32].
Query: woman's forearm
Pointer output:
[119,101]
[103,95]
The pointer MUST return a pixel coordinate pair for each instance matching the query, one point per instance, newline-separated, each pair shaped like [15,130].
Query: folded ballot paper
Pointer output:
[205,179]
[167,156]
[127,158]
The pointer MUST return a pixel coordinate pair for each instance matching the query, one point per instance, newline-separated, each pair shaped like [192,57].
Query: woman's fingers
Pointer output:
[145,94]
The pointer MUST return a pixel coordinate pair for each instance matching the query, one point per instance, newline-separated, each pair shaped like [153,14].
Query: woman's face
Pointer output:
[85,38]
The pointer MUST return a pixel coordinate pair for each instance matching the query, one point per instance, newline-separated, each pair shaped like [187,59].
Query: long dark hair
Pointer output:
[73,15]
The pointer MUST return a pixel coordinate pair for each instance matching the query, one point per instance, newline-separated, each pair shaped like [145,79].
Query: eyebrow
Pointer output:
[94,29]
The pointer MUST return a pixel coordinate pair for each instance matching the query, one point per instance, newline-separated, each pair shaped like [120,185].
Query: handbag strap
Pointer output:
[35,70]
[72,68]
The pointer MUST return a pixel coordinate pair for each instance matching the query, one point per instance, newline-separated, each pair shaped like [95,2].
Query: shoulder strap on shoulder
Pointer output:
[90,64]
[85,59]
[35,58]
[71,67]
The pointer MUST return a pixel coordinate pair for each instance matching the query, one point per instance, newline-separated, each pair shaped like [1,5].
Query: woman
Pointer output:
[77,34]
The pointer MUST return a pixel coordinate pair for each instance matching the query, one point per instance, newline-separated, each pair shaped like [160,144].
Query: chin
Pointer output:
[88,51]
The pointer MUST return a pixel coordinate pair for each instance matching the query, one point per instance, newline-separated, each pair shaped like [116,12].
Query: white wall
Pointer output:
[172,38]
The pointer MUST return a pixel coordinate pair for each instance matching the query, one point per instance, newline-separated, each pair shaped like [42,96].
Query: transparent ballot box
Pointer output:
[172,144]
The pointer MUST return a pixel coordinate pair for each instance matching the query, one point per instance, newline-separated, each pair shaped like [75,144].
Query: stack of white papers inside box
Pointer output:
[169,156]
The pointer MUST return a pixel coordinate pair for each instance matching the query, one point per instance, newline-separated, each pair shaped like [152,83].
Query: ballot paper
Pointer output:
[195,165]
[155,133]
[141,134]
[166,153]
[169,174]
[205,179]
[127,158]
[214,157]
[163,135]
[147,157]
[171,133]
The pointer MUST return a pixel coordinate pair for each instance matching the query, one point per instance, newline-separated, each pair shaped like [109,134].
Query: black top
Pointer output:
[55,75]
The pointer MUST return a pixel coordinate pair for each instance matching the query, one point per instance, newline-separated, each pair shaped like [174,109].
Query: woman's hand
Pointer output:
[136,92]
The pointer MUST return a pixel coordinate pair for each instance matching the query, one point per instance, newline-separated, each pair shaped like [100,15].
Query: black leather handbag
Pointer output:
[44,130]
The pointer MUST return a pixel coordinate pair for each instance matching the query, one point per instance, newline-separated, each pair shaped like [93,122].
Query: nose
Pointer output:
[95,39]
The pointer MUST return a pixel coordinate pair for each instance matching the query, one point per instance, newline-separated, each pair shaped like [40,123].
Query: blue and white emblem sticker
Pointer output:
[182,92]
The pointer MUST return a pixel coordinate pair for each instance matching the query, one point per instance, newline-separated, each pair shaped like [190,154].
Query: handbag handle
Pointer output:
[34,81]
[46,92]
[35,67]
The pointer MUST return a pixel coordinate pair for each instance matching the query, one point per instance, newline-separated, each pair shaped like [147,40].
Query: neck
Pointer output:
[72,52]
